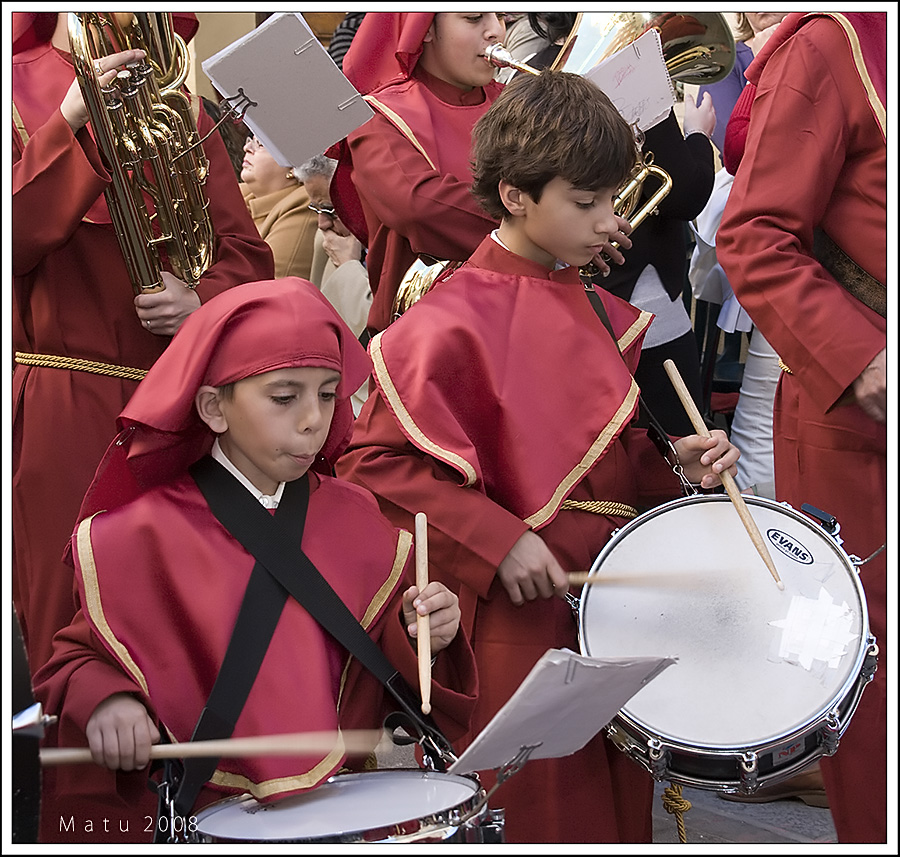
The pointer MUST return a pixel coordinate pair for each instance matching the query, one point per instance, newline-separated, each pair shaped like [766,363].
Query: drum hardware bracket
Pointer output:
[659,758]
[749,772]
[831,732]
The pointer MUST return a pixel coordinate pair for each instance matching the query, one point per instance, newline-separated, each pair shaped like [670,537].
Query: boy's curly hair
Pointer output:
[548,125]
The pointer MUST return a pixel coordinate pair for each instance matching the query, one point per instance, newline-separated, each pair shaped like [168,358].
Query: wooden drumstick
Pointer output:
[577,578]
[727,479]
[423,623]
[291,744]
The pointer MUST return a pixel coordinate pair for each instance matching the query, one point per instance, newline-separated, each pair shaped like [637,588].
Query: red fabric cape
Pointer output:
[504,436]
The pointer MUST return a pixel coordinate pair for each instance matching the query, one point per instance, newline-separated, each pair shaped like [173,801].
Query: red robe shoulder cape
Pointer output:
[158,608]
[500,395]
[409,165]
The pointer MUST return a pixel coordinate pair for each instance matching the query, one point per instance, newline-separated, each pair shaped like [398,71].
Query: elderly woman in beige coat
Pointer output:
[279,205]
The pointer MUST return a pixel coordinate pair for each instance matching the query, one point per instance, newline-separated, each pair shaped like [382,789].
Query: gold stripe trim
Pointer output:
[596,450]
[601,507]
[406,420]
[20,125]
[267,788]
[401,125]
[784,367]
[641,323]
[77,364]
[94,604]
[856,50]
[404,544]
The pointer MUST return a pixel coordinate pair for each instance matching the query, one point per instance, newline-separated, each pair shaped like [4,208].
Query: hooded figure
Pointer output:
[161,580]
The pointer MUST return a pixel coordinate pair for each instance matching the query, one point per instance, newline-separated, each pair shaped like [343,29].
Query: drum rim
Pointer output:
[430,823]
[854,675]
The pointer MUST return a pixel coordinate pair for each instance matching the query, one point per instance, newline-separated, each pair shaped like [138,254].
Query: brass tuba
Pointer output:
[147,135]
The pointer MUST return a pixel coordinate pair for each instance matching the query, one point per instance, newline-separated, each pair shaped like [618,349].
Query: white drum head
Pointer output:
[754,663]
[347,803]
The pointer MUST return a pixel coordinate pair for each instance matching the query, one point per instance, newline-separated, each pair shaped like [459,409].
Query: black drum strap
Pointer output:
[276,545]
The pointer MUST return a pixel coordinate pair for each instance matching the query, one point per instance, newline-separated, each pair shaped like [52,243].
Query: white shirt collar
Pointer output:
[269,501]
[496,236]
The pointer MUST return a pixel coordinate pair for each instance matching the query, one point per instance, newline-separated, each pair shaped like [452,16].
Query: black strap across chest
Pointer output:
[281,569]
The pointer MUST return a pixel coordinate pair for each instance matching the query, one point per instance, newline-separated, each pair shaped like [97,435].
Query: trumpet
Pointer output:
[147,134]
[629,194]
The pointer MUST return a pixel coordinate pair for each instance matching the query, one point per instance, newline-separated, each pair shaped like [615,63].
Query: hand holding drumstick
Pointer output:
[430,611]
[722,464]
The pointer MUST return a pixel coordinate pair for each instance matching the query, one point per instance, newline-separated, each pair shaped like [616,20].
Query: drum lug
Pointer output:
[870,662]
[831,732]
[749,772]
[659,758]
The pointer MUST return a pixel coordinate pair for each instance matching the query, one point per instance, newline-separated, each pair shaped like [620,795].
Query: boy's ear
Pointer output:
[511,197]
[208,404]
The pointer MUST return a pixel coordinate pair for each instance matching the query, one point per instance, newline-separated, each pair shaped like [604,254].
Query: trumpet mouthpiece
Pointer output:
[497,55]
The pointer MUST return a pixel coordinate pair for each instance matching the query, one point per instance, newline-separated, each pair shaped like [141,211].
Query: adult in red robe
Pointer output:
[409,164]
[73,301]
[161,630]
[493,437]
[816,158]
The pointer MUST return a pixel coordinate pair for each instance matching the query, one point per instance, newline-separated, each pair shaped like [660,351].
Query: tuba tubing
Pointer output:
[148,138]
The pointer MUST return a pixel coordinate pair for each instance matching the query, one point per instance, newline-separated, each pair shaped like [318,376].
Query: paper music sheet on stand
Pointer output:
[637,82]
[563,702]
[303,101]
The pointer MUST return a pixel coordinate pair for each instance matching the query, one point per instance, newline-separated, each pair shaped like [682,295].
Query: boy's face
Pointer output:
[454,47]
[567,224]
[277,422]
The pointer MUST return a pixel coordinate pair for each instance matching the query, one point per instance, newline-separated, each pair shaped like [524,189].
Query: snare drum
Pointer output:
[386,806]
[766,681]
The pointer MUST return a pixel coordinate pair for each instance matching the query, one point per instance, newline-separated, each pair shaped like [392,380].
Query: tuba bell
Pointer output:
[147,134]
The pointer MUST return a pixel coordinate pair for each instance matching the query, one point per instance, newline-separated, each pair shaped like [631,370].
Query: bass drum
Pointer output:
[766,680]
[388,806]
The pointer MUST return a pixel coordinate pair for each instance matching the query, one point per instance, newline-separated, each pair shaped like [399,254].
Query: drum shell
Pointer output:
[740,709]
[386,806]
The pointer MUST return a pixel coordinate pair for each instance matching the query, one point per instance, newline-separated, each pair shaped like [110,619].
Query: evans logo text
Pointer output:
[789,547]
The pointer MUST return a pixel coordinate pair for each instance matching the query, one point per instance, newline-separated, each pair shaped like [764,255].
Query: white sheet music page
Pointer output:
[302,102]
[636,80]
[563,702]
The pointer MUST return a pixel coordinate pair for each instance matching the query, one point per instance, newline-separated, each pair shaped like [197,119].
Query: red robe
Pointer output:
[488,432]
[824,102]
[188,576]
[72,298]
[415,193]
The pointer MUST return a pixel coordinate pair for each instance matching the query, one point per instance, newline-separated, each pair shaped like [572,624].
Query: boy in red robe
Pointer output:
[503,409]
[259,379]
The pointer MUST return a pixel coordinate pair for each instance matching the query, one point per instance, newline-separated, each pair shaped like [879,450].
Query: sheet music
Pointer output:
[302,101]
[636,80]
[564,701]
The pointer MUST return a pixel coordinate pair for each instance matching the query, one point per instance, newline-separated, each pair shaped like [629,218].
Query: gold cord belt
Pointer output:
[784,367]
[52,361]
[601,507]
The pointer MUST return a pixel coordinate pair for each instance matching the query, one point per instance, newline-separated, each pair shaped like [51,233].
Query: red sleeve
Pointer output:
[469,534]
[813,157]
[78,677]
[436,213]
[44,216]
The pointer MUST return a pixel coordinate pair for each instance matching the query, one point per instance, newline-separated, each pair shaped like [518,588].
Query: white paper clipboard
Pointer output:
[563,702]
[301,102]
